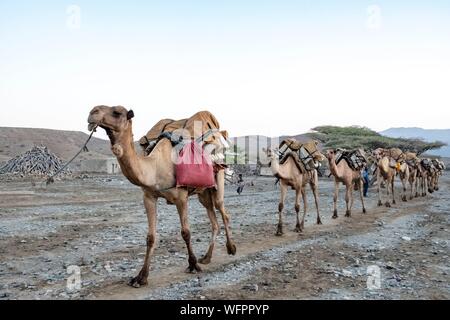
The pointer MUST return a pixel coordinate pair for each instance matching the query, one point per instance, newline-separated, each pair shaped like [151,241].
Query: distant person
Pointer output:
[240,184]
[366,180]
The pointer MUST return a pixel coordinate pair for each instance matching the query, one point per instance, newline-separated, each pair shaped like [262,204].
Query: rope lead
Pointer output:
[50,179]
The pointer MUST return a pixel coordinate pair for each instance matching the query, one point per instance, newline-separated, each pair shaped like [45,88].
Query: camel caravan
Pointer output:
[182,158]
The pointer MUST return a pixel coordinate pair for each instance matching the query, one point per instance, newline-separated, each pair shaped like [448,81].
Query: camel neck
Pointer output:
[276,168]
[129,161]
[333,167]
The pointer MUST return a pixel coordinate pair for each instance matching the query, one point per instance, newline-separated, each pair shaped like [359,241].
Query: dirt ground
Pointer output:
[98,223]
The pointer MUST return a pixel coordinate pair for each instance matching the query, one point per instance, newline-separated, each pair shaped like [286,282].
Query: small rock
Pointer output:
[406,238]
[251,287]
[334,291]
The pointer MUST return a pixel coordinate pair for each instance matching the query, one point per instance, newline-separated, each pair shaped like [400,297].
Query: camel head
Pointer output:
[114,120]
[330,154]
[271,154]
[378,154]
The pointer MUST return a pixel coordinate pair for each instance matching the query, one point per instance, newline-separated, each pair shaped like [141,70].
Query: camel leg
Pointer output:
[388,186]
[416,186]
[182,207]
[315,189]
[298,226]
[348,195]
[404,180]
[380,203]
[393,190]
[361,186]
[206,200]
[305,208]
[283,192]
[424,186]
[150,208]
[335,197]
[219,204]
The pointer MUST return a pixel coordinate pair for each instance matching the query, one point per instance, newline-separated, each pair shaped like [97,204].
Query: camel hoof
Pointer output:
[279,231]
[298,230]
[348,214]
[380,203]
[394,202]
[193,269]
[364,210]
[205,260]
[231,248]
[335,214]
[138,282]
[411,198]
[319,221]
[417,195]
[404,199]
[388,205]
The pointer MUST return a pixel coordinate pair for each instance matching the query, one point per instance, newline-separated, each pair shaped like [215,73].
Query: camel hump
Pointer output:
[196,125]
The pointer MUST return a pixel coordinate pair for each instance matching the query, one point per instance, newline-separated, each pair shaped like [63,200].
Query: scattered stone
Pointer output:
[251,287]
[406,238]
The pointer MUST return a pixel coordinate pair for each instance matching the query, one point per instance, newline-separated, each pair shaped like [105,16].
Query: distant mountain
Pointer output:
[425,134]
[65,144]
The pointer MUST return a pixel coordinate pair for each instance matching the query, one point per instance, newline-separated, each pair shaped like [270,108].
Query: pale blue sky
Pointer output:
[287,65]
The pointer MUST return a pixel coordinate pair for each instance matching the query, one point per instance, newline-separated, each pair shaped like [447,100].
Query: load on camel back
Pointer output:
[199,147]
[356,159]
[307,156]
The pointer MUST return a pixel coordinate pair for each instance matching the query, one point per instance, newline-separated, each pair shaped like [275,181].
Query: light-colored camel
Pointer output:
[155,174]
[350,178]
[290,176]
[385,172]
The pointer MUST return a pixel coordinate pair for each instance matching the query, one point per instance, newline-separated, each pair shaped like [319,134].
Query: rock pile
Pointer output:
[37,161]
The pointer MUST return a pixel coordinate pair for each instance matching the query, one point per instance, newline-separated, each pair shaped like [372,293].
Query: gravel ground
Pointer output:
[98,224]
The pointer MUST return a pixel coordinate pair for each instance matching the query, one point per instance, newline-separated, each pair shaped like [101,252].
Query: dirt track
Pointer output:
[99,225]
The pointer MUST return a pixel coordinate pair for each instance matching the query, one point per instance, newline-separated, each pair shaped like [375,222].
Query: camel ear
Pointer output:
[130,115]
[224,134]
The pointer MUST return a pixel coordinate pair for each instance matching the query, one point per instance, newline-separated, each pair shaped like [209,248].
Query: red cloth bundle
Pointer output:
[194,168]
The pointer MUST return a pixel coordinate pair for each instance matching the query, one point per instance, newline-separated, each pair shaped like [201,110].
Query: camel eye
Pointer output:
[116,114]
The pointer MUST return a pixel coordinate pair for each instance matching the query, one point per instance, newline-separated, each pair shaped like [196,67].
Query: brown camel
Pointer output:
[349,177]
[155,174]
[439,168]
[386,172]
[290,175]
[423,172]
[413,163]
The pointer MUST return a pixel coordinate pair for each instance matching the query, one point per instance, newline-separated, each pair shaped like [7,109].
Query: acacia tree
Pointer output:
[362,137]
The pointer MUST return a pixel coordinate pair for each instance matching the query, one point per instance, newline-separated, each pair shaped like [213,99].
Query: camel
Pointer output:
[422,172]
[386,172]
[155,174]
[290,175]
[404,174]
[413,163]
[349,177]
[439,167]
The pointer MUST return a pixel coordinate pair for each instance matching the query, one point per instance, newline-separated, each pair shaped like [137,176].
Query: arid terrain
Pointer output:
[98,223]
